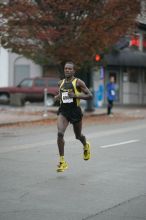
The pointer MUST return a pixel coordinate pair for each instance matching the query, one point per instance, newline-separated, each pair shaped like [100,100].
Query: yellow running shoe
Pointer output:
[62,166]
[87,153]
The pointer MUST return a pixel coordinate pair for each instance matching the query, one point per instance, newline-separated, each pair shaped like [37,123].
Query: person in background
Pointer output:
[111,95]
[71,90]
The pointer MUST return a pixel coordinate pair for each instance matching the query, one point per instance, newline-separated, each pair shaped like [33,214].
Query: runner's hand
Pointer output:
[71,95]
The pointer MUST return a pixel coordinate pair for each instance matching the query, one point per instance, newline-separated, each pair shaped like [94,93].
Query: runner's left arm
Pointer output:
[85,93]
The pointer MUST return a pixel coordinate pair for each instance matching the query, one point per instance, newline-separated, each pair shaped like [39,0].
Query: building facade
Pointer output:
[131,83]
[129,66]
[14,68]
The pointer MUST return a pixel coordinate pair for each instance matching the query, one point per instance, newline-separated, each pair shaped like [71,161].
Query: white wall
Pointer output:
[7,67]
[131,93]
[4,67]
[15,59]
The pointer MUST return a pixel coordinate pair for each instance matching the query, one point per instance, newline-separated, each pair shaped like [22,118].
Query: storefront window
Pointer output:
[134,42]
[133,75]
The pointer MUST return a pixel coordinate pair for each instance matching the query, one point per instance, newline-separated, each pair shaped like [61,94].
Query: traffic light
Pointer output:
[97,57]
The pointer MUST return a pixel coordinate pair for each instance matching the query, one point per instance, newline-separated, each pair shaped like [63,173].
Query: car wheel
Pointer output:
[50,100]
[4,98]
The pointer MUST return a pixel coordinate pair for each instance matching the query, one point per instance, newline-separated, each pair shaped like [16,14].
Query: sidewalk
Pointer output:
[10,115]
[30,113]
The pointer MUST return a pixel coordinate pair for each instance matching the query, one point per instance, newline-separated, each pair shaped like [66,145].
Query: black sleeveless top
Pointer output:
[66,87]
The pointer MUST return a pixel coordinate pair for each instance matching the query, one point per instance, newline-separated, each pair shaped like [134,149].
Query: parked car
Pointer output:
[32,90]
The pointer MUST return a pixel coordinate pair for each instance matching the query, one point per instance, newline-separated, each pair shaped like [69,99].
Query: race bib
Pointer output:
[113,92]
[66,98]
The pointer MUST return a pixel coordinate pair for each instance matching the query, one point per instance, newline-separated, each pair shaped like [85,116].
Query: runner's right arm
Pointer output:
[57,97]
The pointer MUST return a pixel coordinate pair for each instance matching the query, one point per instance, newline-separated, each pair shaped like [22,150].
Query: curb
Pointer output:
[46,120]
[18,123]
[49,119]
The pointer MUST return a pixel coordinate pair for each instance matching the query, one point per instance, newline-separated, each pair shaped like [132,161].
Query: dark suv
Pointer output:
[32,89]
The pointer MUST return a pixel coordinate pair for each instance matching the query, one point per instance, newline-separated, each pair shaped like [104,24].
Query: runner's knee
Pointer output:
[60,135]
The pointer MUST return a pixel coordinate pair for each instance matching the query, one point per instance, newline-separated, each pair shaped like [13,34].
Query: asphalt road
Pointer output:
[111,186]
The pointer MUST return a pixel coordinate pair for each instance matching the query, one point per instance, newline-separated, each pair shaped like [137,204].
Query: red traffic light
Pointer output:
[97,57]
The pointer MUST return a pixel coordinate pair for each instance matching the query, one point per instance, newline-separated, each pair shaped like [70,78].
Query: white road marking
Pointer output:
[120,143]
[71,138]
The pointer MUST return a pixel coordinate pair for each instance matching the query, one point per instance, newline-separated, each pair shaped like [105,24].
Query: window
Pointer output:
[39,82]
[53,82]
[26,83]
[133,75]
[134,42]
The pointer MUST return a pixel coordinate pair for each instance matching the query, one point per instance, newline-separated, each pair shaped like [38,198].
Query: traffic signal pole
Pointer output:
[90,102]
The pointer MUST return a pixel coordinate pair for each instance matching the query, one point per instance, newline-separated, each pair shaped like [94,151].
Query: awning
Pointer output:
[126,57]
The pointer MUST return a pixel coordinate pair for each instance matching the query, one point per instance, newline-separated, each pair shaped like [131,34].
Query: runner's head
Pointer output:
[112,79]
[69,69]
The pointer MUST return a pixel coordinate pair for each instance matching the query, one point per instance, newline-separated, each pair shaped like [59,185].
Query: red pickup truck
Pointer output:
[32,90]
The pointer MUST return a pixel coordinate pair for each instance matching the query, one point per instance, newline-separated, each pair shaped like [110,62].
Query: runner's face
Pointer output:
[69,70]
[112,79]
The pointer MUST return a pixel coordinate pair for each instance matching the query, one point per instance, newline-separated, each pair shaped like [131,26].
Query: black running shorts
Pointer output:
[73,115]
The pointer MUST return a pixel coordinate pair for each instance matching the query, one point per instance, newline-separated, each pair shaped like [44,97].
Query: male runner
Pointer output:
[71,90]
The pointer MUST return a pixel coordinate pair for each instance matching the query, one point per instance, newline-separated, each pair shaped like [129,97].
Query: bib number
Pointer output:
[66,98]
[112,92]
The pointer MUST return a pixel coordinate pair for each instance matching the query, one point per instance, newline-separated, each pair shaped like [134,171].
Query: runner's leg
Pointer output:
[78,132]
[86,145]
[62,124]
[109,107]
